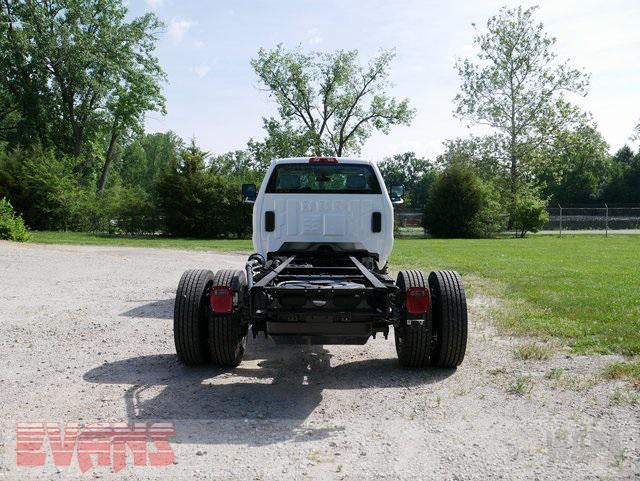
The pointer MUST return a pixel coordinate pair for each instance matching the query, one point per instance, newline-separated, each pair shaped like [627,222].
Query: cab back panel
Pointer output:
[326,219]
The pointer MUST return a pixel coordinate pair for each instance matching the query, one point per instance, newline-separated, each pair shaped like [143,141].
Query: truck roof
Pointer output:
[298,160]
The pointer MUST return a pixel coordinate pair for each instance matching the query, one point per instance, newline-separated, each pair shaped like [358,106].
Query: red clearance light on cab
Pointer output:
[323,160]
[221,300]
[417,300]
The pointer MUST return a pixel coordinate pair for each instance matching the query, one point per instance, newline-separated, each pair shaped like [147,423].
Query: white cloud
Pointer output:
[155,4]
[313,37]
[178,27]
[198,44]
[201,70]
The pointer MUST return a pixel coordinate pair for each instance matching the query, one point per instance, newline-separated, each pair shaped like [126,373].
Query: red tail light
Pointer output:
[417,300]
[221,300]
[323,160]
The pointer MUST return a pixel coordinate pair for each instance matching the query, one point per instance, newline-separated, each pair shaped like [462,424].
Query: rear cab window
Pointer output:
[323,179]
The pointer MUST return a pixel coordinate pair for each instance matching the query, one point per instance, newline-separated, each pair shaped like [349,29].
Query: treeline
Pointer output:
[578,170]
[80,78]
[157,184]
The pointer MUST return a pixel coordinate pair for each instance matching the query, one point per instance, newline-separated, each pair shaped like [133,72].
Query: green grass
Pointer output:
[84,238]
[582,289]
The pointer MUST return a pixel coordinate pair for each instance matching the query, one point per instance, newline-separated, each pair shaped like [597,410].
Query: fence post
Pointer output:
[606,224]
[560,219]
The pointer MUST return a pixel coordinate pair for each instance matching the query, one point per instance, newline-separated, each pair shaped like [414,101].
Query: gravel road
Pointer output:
[86,336]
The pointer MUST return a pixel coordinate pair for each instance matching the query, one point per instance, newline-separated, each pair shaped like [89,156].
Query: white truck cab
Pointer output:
[323,202]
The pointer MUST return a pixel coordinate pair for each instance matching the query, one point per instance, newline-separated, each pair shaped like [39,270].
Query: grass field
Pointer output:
[582,289]
[84,238]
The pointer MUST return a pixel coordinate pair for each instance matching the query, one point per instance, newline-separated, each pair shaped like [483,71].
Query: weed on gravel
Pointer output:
[532,351]
[521,385]
[628,371]
[554,373]
[575,382]
[623,396]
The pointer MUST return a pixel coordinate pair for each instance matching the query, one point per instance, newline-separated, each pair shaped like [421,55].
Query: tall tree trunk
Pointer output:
[513,187]
[77,140]
[107,159]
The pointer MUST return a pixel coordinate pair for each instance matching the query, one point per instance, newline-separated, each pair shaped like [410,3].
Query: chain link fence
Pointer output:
[604,218]
[597,219]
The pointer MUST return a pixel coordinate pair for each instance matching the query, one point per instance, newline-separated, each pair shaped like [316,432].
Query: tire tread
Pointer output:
[450,318]
[414,348]
[226,336]
[189,317]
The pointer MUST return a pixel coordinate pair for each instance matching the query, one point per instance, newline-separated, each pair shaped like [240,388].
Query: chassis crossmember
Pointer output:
[312,299]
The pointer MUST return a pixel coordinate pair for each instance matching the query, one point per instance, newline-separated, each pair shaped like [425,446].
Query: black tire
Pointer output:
[449,317]
[227,332]
[190,314]
[414,340]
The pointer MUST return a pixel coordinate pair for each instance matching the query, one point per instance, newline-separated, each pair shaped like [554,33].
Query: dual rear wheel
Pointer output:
[200,335]
[439,338]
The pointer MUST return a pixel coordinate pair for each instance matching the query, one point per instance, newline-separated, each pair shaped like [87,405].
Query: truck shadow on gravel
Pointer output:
[261,402]
[158,309]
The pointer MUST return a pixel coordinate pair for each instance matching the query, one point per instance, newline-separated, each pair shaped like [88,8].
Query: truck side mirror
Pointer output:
[396,194]
[249,193]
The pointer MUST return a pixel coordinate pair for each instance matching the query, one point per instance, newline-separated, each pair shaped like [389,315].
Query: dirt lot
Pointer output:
[86,336]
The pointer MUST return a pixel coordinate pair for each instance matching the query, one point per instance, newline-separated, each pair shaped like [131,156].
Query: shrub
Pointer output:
[195,202]
[44,188]
[528,212]
[461,205]
[491,218]
[11,225]
[135,212]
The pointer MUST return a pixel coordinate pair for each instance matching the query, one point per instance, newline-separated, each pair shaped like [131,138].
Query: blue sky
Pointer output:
[213,94]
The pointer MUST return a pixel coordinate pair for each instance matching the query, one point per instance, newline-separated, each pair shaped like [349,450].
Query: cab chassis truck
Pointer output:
[322,234]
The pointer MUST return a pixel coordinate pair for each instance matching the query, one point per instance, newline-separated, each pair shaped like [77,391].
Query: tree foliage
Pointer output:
[460,205]
[624,185]
[414,173]
[479,154]
[330,96]
[145,157]
[195,202]
[78,75]
[577,166]
[282,140]
[528,212]
[11,224]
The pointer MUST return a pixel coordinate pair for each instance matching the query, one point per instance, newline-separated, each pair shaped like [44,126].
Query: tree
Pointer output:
[196,202]
[518,88]
[329,95]
[75,66]
[577,166]
[146,156]
[415,174]
[624,186]
[624,156]
[135,94]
